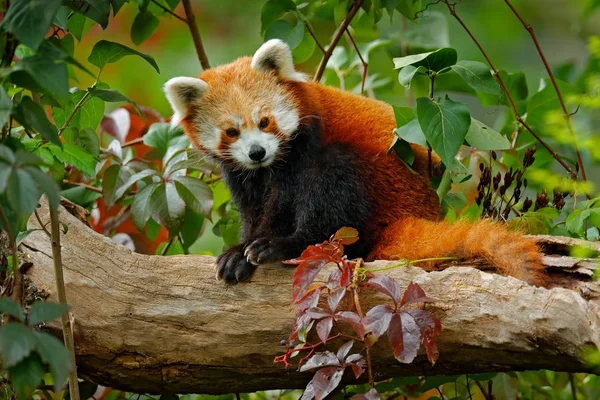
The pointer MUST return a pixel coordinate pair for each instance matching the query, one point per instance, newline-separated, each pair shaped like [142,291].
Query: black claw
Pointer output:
[232,266]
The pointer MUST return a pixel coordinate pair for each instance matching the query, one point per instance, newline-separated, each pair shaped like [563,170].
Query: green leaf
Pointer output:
[117,4]
[412,133]
[516,84]
[54,353]
[30,20]
[403,115]
[167,207]
[141,208]
[7,306]
[305,49]
[86,139]
[32,116]
[81,196]
[5,106]
[97,10]
[196,194]
[406,74]
[42,74]
[478,76]
[23,193]
[27,375]
[432,61]
[409,8]
[546,101]
[162,137]
[120,191]
[192,225]
[45,311]
[114,176]
[444,125]
[73,155]
[61,18]
[89,115]
[575,221]
[272,10]
[144,25]
[79,25]
[403,150]
[113,96]
[105,52]
[16,342]
[483,137]
[45,183]
[286,31]
[431,32]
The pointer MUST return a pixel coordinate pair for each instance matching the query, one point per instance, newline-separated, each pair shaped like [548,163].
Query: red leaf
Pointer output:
[301,323]
[326,380]
[312,251]
[378,319]
[387,286]
[430,327]
[370,395]
[358,364]
[343,351]
[404,336]
[322,359]
[335,297]
[318,313]
[346,235]
[305,274]
[309,300]
[347,273]
[351,318]
[415,294]
[324,328]
[334,279]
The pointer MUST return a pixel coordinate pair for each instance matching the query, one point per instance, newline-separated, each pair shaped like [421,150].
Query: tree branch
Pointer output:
[165,9]
[566,114]
[191,22]
[451,8]
[336,38]
[154,324]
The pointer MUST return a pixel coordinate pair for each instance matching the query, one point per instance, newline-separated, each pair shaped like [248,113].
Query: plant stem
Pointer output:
[85,185]
[451,8]
[165,9]
[75,109]
[167,246]
[573,387]
[483,391]
[469,388]
[17,287]
[441,394]
[336,38]
[364,63]
[367,347]
[191,22]
[566,114]
[411,262]
[67,329]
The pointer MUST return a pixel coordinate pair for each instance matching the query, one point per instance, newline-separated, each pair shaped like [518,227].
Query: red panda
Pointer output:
[302,160]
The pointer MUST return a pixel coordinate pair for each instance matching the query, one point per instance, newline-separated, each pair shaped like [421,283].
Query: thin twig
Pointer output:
[469,388]
[133,142]
[364,63]
[62,298]
[39,220]
[166,248]
[451,8]
[441,394]
[566,114]
[17,286]
[312,33]
[75,109]
[85,185]
[191,22]
[483,391]
[169,11]
[336,38]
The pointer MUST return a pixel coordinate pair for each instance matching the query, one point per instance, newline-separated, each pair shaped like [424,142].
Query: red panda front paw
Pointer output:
[233,267]
[267,250]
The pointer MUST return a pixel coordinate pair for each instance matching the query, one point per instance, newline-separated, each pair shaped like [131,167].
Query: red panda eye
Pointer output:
[232,132]
[264,122]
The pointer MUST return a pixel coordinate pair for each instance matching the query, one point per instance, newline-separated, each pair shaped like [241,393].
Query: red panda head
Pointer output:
[241,113]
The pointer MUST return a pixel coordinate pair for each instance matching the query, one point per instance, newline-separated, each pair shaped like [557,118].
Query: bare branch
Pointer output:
[169,11]
[364,63]
[191,22]
[336,38]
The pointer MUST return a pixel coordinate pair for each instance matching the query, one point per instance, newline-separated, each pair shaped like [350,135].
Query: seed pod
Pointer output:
[526,205]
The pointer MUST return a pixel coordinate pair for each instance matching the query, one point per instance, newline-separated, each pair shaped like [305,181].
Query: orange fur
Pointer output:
[406,218]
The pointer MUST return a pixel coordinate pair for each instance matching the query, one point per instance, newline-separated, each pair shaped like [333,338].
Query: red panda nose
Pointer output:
[256,152]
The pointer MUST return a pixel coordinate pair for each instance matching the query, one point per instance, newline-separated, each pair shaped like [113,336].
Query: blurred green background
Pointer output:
[231,28]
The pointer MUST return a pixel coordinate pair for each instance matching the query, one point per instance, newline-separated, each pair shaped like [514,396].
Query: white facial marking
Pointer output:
[287,119]
[240,149]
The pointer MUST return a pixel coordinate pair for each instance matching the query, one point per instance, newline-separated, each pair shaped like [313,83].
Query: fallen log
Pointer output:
[158,324]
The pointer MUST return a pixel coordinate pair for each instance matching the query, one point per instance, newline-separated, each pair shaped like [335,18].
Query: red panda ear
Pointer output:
[275,55]
[181,93]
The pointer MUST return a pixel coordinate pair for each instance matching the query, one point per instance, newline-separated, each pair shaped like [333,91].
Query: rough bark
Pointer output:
[164,324]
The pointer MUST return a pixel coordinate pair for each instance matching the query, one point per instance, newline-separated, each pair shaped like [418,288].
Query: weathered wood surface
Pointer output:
[164,324]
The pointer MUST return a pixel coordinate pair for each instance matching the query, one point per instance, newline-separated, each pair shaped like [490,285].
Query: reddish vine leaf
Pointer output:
[386,285]
[302,324]
[309,300]
[404,336]
[352,319]
[324,328]
[415,294]
[322,359]
[347,273]
[370,395]
[318,313]
[358,364]
[334,279]
[335,296]
[306,273]
[430,327]
[377,319]
[344,350]
[346,235]
[326,380]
